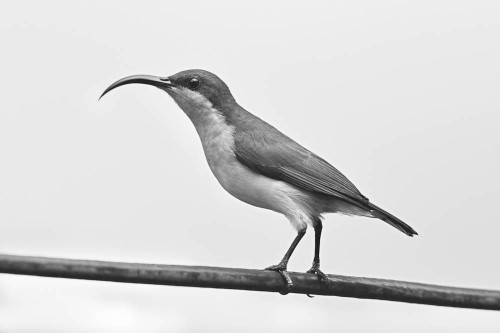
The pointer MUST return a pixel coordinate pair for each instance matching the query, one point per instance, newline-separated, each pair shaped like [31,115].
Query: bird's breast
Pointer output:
[217,138]
[247,185]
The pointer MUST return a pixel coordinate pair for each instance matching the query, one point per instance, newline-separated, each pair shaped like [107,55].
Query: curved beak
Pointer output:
[160,82]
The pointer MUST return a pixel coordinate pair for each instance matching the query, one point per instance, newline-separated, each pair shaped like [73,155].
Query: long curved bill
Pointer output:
[160,82]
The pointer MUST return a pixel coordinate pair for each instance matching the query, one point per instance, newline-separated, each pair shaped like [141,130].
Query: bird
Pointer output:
[261,166]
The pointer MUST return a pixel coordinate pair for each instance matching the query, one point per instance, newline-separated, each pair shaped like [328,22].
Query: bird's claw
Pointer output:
[281,269]
[288,281]
[315,270]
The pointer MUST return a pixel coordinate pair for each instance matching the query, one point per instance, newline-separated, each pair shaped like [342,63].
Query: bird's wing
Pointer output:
[271,153]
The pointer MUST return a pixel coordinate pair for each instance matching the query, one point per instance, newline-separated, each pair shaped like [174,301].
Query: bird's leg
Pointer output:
[317,240]
[284,262]
[281,267]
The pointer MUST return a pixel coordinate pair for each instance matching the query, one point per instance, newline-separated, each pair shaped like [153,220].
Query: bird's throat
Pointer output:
[216,135]
[209,122]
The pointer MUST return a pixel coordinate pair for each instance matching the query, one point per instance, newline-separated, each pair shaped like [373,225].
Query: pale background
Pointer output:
[401,96]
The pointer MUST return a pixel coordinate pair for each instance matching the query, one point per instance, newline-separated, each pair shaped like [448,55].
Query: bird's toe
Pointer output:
[281,269]
[317,271]
[277,268]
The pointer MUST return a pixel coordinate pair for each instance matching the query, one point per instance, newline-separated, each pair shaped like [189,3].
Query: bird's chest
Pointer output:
[218,145]
[217,139]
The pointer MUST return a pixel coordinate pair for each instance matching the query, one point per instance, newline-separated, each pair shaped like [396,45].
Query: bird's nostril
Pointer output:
[164,79]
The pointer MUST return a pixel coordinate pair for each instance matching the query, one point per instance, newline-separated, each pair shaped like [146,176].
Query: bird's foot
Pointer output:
[315,270]
[281,268]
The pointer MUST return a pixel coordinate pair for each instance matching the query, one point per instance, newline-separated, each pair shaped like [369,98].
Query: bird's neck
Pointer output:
[214,131]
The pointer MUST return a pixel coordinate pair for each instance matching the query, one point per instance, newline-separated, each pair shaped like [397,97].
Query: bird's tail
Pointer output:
[392,220]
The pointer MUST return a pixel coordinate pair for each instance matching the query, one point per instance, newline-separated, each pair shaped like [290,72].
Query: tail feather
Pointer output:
[392,220]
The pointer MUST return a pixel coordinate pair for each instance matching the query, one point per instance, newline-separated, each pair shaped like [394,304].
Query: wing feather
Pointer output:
[273,154]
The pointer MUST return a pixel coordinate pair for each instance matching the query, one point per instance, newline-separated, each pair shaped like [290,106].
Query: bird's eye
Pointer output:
[193,83]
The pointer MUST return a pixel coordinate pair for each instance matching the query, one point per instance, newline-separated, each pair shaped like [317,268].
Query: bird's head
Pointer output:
[190,89]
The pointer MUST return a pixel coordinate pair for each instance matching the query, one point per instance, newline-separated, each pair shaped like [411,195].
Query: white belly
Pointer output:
[258,190]
[243,183]
[237,179]
[251,187]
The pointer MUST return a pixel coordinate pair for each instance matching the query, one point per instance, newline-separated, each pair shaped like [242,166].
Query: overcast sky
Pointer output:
[401,96]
